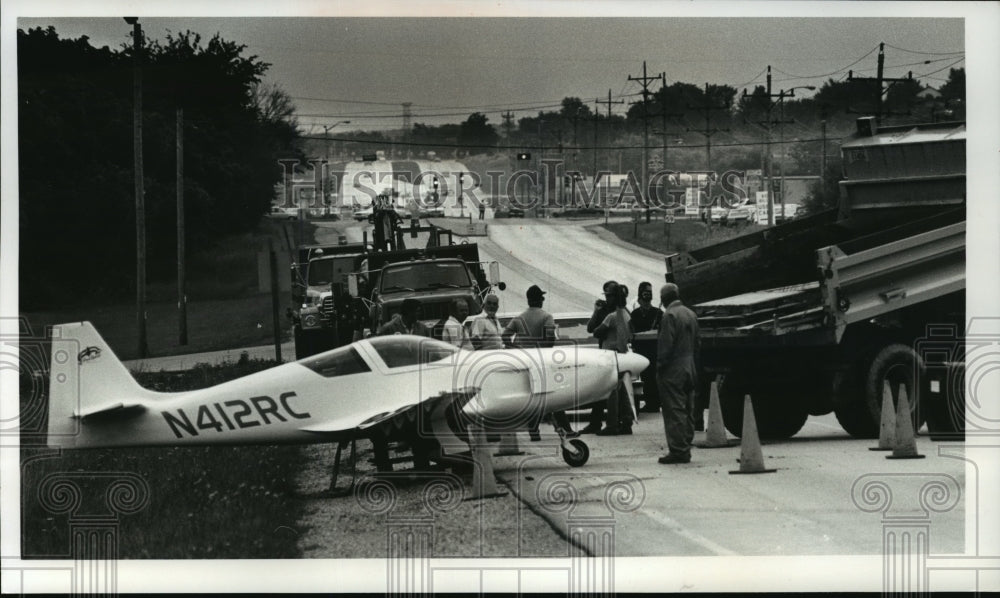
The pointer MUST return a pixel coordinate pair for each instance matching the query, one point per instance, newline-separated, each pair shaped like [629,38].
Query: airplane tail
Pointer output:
[86,379]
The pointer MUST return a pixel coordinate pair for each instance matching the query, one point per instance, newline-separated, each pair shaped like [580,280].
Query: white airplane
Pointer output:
[391,386]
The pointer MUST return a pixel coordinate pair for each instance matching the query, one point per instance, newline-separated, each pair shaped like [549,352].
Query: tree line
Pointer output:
[75,143]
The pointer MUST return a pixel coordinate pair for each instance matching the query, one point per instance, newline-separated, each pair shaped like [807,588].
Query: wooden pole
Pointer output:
[275,301]
[140,204]
[181,279]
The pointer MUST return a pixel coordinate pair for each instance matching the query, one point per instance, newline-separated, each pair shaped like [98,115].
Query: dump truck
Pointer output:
[819,313]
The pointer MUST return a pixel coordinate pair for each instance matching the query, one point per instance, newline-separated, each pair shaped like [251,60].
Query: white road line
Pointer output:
[672,525]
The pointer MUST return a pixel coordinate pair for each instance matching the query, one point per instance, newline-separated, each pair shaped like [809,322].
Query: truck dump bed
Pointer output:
[896,239]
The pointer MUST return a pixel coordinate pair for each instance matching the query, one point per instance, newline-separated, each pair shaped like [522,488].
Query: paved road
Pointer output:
[699,509]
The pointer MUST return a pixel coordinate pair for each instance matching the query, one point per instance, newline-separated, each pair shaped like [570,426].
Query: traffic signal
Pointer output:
[524,156]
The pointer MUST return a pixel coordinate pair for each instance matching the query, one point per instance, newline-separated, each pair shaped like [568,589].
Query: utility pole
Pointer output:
[597,116]
[181,280]
[608,102]
[767,152]
[665,115]
[645,81]
[140,203]
[822,155]
[879,81]
[508,124]
[707,108]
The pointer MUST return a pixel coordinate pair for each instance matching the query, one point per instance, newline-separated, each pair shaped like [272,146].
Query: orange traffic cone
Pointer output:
[906,444]
[751,457]
[715,431]
[887,429]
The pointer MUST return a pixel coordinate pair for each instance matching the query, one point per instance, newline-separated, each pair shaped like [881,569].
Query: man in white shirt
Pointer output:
[486,329]
[454,331]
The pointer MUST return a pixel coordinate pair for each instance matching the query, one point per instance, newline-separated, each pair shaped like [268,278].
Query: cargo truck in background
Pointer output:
[435,276]
[324,315]
[817,314]
[342,292]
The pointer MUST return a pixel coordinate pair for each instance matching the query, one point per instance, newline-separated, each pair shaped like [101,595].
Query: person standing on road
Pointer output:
[616,332]
[407,321]
[646,317]
[602,307]
[454,331]
[677,374]
[486,330]
[535,327]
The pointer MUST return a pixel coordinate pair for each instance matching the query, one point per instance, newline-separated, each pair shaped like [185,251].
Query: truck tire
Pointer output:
[859,409]
[777,409]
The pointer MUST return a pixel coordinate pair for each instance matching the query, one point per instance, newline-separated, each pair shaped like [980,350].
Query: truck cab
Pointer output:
[324,315]
[435,276]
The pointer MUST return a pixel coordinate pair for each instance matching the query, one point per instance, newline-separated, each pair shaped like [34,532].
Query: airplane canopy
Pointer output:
[402,350]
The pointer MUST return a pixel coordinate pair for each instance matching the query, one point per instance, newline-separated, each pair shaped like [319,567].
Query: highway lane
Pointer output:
[699,509]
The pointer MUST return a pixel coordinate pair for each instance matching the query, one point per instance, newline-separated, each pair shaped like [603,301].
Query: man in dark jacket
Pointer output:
[646,317]
[407,321]
[677,373]
[602,307]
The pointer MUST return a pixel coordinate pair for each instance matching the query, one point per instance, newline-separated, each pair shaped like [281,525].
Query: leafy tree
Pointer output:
[825,193]
[76,157]
[954,87]
[476,131]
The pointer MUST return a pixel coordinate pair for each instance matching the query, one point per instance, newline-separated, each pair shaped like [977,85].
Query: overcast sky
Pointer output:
[362,69]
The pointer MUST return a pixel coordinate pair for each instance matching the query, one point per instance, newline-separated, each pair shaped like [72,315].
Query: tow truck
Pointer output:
[819,313]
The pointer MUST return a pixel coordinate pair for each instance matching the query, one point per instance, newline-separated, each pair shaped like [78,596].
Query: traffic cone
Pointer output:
[715,431]
[887,429]
[906,444]
[484,483]
[508,445]
[751,457]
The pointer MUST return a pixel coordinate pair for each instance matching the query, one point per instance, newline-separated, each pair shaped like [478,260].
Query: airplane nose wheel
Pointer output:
[576,454]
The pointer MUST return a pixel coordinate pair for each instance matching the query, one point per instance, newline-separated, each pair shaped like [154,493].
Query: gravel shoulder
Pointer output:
[360,525]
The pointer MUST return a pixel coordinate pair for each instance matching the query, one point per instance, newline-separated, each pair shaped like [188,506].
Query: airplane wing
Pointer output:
[357,426]
[117,408]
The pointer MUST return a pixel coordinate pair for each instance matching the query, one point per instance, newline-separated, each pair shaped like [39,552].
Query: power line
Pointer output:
[826,74]
[927,53]
[550,147]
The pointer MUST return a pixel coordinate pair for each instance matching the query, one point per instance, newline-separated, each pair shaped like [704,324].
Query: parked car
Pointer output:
[280,213]
[509,212]
[742,214]
[719,214]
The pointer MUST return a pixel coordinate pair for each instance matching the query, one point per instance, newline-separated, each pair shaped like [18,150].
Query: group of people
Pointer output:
[669,384]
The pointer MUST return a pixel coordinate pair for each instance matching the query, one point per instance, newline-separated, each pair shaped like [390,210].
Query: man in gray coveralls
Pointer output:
[677,373]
